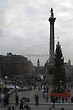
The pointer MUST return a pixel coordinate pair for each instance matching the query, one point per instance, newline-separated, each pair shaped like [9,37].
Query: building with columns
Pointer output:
[68,69]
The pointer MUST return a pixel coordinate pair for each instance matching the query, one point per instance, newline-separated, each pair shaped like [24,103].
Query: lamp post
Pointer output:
[60,86]
[6,80]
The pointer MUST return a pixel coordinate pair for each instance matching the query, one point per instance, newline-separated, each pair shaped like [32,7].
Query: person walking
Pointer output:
[13,108]
[59,99]
[21,105]
[7,99]
[66,99]
[2,97]
[17,99]
[62,99]
[53,105]
[37,99]
[72,99]
[9,108]
[46,97]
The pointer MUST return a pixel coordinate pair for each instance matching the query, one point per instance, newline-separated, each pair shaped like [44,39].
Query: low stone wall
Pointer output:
[11,91]
[12,94]
[24,90]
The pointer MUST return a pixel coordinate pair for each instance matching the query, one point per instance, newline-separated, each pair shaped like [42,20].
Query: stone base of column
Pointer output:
[51,69]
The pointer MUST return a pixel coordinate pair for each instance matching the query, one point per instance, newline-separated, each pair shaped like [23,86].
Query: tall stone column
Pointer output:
[51,20]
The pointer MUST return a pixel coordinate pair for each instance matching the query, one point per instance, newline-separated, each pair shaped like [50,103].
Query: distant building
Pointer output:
[68,69]
[39,69]
[12,65]
[38,63]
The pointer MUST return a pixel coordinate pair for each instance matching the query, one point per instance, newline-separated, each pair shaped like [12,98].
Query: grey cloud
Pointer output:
[26,26]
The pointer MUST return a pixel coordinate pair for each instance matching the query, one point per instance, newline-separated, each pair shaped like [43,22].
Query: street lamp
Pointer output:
[6,80]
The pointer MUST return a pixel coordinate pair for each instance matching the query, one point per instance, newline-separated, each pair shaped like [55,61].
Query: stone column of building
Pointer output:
[51,20]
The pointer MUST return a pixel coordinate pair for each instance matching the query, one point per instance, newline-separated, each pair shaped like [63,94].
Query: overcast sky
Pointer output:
[24,27]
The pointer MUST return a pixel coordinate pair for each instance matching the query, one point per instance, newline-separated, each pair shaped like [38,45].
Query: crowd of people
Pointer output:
[21,103]
[59,99]
[4,101]
[4,98]
[45,93]
[11,108]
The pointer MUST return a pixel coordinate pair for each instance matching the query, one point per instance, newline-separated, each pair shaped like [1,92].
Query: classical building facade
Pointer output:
[12,65]
[68,69]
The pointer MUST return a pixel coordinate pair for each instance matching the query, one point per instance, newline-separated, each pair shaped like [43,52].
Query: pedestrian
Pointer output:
[44,93]
[66,99]
[59,99]
[72,99]
[46,97]
[17,99]
[9,108]
[42,89]
[2,97]
[13,108]
[56,99]
[7,99]
[4,100]
[37,99]
[62,99]
[21,105]
[52,99]
[53,105]
[47,90]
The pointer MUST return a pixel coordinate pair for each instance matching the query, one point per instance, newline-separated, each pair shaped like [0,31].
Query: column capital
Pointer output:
[52,19]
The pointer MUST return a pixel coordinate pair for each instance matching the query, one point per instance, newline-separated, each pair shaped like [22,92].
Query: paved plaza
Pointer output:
[43,105]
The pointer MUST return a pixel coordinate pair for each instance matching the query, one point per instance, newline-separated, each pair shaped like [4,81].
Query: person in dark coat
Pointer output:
[53,105]
[37,99]
[17,99]
[7,99]
[21,105]
[46,97]
[62,99]
[9,108]
[72,99]
[13,108]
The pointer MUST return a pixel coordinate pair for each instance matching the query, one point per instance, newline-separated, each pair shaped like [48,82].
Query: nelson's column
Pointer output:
[51,53]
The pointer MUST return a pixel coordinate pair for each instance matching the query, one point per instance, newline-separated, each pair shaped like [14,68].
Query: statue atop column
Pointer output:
[52,14]
[51,51]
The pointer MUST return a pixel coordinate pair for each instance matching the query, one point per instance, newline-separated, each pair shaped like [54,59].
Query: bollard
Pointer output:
[62,108]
